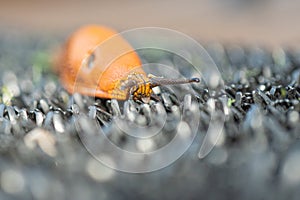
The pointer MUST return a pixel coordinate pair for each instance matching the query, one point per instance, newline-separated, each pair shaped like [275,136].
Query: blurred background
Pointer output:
[258,155]
[267,22]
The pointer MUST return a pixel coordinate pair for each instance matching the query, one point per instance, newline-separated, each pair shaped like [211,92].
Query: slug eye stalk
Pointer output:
[156,81]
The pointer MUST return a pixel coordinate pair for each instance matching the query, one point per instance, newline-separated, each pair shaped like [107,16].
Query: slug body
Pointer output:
[96,61]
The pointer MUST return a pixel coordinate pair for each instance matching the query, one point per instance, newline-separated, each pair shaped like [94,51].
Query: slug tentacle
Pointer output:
[157,81]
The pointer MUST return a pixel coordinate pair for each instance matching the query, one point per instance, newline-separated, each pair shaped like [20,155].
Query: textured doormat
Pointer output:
[257,156]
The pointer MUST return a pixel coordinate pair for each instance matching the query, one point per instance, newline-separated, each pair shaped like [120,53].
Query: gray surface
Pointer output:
[258,158]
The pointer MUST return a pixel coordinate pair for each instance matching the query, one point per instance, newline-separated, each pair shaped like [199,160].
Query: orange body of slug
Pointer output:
[95,61]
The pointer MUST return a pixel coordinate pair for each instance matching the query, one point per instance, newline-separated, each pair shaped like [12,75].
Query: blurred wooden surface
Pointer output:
[270,22]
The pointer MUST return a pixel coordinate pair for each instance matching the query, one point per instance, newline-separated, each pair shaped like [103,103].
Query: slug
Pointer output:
[95,61]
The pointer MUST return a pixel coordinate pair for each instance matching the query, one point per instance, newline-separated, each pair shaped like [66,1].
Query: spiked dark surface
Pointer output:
[257,157]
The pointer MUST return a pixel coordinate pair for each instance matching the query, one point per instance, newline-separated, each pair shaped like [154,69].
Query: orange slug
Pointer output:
[95,61]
